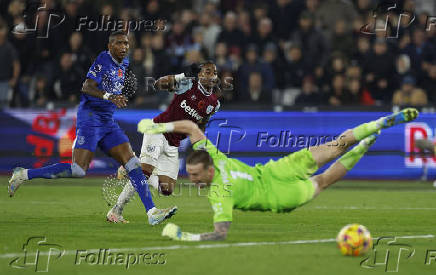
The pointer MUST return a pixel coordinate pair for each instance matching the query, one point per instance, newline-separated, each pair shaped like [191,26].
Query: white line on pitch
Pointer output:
[371,208]
[203,246]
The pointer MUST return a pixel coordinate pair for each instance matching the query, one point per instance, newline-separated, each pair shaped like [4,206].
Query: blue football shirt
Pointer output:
[109,74]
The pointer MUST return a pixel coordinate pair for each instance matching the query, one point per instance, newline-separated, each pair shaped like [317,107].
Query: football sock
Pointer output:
[58,170]
[139,181]
[366,129]
[350,158]
[125,196]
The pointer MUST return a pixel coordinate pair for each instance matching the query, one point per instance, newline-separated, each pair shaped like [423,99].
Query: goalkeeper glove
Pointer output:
[147,126]
[173,232]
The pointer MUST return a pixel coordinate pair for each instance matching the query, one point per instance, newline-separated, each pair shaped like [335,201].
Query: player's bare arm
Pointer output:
[187,127]
[220,233]
[90,88]
[174,232]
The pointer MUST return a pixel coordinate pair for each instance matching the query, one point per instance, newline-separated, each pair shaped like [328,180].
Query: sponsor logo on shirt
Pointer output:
[190,111]
[242,175]
[80,140]
[150,148]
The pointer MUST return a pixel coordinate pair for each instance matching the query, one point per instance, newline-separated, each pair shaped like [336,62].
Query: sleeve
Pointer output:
[96,71]
[222,202]
[206,144]
[183,86]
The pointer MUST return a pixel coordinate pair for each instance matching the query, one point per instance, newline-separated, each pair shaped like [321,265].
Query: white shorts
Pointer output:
[157,152]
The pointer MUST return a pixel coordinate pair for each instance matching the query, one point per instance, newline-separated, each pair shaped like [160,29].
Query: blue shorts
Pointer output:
[106,137]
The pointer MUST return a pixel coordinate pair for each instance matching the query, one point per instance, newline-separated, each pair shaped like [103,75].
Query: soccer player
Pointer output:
[425,145]
[195,99]
[279,186]
[101,95]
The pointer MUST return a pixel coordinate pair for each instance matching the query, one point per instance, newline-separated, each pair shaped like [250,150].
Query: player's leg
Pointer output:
[327,152]
[150,151]
[115,214]
[168,168]
[344,164]
[83,152]
[115,143]
[425,145]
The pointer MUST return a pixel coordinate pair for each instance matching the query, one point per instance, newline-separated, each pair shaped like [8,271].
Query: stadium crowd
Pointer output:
[278,52]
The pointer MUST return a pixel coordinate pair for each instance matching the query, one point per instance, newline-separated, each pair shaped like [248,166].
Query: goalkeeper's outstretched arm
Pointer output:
[187,127]
[174,232]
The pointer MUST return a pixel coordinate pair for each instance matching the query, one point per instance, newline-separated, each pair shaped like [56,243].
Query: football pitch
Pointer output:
[64,220]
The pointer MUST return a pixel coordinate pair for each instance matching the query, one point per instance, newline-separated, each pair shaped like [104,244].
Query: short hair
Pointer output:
[116,33]
[207,62]
[200,156]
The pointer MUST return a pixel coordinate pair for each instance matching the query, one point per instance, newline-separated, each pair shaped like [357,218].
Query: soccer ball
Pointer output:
[354,239]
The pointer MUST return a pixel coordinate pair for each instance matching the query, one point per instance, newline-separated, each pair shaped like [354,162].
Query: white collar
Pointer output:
[203,90]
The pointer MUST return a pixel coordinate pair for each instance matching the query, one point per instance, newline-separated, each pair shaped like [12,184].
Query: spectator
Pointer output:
[330,11]
[284,15]
[253,64]
[68,79]
[210,32]
[10,69]
[197,43]
[402,68]
[264,34]
[342,40]
[309,95]
[222,60]
[40,95]
[161,59]
[138,69]
[270,57]
[379,71]
[178,43]
[339,95]
[409,95]
[80,54]
[294,67]
[364,7]
[255,92]
[362,50]
[429,83]
[313,44]
[421,52]
[230,34]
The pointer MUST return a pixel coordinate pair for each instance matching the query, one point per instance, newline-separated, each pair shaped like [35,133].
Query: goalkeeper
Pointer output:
[278,186]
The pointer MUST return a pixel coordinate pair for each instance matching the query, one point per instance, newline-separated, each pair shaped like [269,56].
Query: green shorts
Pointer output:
[288,180]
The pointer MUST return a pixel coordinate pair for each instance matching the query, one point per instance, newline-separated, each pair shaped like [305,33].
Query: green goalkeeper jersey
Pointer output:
[234,185]
[277,186]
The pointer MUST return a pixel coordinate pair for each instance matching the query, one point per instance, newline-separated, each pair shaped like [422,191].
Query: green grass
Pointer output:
[71,213]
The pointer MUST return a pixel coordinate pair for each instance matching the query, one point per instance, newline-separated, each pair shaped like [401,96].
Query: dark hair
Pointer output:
[207,62]
[199,156]
[116,33]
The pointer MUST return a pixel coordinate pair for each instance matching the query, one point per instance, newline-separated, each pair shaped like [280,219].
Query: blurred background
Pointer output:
[280,53]
[309,66]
